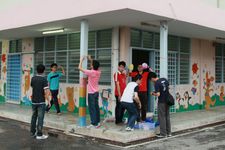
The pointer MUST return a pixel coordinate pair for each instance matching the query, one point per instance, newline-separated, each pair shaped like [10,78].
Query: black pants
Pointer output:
[132,113]
[164,119]
[119,111]
[38,113]
[94,108]
[144,104]
[54,100]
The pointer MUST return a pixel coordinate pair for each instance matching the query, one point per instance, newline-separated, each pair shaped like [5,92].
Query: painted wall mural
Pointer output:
[69,99]
[27,71]
[208,89]
[27,74]
[5,49]
[203,92]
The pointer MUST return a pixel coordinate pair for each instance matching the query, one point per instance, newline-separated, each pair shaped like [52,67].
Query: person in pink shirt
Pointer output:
[93,90]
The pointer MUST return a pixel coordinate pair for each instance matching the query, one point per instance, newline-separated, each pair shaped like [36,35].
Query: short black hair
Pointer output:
[122,63]
[152,75]
[95,64]
[54,65]
[137,77]
[40,69]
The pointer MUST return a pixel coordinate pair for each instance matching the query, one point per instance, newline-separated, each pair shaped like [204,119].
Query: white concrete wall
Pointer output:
[15,13]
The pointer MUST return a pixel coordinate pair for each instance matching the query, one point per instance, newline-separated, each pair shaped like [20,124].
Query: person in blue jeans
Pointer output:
[53,80]
[40,92]
[127,101]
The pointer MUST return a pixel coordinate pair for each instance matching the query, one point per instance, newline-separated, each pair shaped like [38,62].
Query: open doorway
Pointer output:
[140,56]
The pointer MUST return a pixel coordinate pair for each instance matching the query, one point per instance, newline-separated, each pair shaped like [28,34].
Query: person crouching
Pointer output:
[127,101]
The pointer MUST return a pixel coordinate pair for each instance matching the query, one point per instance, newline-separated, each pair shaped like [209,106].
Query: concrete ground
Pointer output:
[212,138]
[67,122]
[15,136]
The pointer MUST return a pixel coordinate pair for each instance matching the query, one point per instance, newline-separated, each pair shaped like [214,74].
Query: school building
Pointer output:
[181,40]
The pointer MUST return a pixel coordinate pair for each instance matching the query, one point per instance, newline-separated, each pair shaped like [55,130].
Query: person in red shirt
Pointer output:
[120,78]
[143,89]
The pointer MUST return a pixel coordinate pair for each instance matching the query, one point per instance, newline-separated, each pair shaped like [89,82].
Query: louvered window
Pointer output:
[101,51]
[15,46]
[65,50]
[177,46]
[220,63]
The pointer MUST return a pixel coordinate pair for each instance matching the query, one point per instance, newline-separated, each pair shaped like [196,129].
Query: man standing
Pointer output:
[162,91]
[40,92]
[120,84]
[143,90]
[93,90]
[53,80]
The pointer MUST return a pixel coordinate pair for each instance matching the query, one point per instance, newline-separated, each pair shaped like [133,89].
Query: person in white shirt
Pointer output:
[127,101]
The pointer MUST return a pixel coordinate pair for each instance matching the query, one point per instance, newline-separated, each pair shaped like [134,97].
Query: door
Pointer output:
[13,88]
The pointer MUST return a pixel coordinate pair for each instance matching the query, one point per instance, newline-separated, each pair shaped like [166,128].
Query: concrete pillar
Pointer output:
[115,59]
[163,49]
[125,54]
[83,79]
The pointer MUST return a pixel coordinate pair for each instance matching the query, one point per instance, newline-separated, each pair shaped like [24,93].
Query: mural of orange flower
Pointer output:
[195,68]
[3,58]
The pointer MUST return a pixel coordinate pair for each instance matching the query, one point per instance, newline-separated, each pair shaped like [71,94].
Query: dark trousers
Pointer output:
[38,113]
[143,96]
[132,113]
[119,111]
[54,100]
[164,119]
[94,108]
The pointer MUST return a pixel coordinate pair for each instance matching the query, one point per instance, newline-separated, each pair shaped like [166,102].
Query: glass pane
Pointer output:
[148,41]
[38,59]
[74,41]
[184,68]
[157,41]
[50,43]
[12,46]
[73,72]
[39,44]
[62,42]
[61,60]
[91,39]
[136,38]
[104,57]
[218,69]
[49,59]
[104,38]
[173,43]
[185,45]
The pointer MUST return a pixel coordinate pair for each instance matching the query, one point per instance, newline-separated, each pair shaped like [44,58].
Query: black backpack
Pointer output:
[170,100]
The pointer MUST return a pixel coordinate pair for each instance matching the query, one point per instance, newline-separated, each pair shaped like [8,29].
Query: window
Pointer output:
[220,63]
[15,46]
[0,57]
[102,52]
[65,51]
[179,49]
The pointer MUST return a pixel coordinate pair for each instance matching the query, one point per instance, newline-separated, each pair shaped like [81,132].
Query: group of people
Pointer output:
[132,97]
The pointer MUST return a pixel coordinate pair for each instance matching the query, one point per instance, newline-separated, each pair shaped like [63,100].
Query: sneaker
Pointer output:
[129,129]
[98,126]
[160,136]
[42,137]
[90,126]
[169,135]
[59,114]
